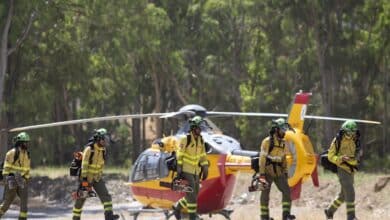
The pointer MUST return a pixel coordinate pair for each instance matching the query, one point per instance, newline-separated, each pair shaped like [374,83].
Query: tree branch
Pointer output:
[178,91]
[24,34]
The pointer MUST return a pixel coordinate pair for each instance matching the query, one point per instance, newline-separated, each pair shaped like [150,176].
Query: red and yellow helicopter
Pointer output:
[226,157]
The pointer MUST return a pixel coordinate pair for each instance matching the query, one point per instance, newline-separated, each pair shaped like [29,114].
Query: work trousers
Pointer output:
[347,194]
[102,193]
[189,201]
[282,184]
[9,197]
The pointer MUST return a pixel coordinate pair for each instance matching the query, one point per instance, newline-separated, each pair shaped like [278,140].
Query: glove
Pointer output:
[205,172]
[179,171]
[263,182]
[262,179]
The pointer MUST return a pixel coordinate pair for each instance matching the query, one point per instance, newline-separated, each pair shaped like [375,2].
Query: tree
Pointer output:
[7,50]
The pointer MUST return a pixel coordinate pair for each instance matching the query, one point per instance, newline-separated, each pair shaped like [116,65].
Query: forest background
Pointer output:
[63,60]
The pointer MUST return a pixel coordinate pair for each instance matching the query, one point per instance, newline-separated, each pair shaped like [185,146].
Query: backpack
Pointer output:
[327,164]
[75,165]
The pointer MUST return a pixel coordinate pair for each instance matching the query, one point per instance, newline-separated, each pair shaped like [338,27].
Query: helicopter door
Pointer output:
[150,165]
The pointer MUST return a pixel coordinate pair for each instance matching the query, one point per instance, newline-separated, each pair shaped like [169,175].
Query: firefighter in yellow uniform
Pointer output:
[16,171]
[191,163]
[273,168]
[344,152]
[91,174]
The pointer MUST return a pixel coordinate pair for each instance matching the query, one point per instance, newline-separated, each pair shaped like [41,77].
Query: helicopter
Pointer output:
[149,174]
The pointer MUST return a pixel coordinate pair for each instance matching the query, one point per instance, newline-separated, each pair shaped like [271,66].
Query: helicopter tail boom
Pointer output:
[239,163]
[298,110]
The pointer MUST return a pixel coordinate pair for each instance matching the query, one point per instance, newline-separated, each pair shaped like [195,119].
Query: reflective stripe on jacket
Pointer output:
[21,165]
[347,148]
[277,163]
[92,171]
[191,156]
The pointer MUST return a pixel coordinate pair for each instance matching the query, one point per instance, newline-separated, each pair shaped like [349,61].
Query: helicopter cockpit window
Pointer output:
[150,165]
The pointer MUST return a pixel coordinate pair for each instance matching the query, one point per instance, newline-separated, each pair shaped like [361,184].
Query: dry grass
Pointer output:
[60,171]
[369,204]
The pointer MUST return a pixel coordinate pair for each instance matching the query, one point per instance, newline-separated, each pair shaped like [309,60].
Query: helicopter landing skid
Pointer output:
[137,211]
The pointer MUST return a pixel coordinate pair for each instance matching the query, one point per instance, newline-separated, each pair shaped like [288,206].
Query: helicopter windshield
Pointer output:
[150,165]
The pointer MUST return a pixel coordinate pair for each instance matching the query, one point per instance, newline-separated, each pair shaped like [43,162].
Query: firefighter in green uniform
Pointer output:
[16,171]
[91,174]
[191,162]
[344,152]
[273,168]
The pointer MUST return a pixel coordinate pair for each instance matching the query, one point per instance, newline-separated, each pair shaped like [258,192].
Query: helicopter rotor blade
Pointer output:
[259,114]
[78,121]
[179,114]
[256,114]
[342,119]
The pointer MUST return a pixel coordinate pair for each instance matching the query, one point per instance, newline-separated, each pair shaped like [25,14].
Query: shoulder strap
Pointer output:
[271,144]
[92,153]
[188,140]
[16,155]
[338,141]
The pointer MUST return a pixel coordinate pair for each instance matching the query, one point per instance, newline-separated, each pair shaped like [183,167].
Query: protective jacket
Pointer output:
[348,148]
[19,165]
[92,167]
[191,156]
[273,161]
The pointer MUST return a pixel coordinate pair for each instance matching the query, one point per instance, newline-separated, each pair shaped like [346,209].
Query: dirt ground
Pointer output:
[51,199]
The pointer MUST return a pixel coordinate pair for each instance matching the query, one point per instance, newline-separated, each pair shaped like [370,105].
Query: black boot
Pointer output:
[328,214]
[76,218]
[351,217]
[109,215]
[176,211]
[288,216]
[22,218]
[194,216]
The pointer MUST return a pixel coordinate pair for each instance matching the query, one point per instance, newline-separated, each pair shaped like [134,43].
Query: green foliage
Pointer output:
[88,58]
[377,163]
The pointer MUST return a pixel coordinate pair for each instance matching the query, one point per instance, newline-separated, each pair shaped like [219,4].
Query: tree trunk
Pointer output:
[386,89]
[325,84]
[3,71]
[157,93]
[136,131]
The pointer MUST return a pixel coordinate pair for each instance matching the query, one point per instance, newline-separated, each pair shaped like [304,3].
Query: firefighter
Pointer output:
[344,152]
[192,165]
[273,168]
[16,171]
[92,164]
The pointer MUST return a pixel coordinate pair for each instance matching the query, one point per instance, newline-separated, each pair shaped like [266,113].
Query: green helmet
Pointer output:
[349,126]
[280,123]
[195,121]
[100,133]
[22,137]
